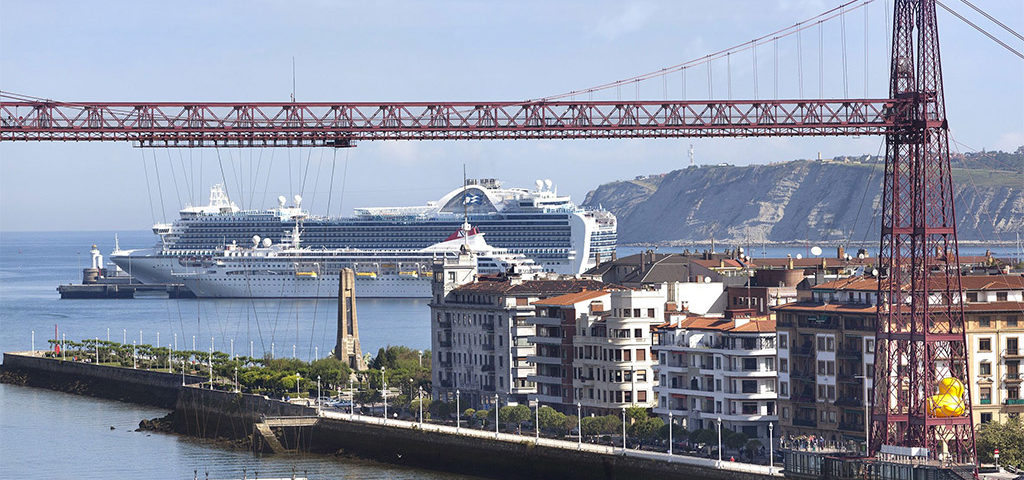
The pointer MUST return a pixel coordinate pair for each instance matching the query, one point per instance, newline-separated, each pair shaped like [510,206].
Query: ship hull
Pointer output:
[292,286]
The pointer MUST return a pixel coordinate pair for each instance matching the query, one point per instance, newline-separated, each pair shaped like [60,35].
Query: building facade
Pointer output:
[717,369]
[614,364]
[480,336]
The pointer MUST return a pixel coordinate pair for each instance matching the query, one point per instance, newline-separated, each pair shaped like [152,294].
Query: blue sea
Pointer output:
[45,434]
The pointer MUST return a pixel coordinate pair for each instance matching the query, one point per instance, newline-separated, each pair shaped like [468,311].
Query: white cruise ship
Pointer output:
[548,228]
[288,270]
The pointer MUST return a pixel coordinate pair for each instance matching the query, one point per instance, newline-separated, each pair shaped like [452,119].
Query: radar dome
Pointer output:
[298,199]
[539,184]
[281,200]
[256,240]
[267,242]
[547,183]
[815,250]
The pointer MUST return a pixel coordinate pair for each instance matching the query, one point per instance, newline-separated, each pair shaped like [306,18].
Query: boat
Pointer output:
[538,223]
[290,270]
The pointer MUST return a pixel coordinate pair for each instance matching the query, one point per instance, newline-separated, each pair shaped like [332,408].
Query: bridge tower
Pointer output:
[920,332]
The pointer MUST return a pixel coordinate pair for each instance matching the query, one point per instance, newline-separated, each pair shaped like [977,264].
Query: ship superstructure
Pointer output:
[539,223]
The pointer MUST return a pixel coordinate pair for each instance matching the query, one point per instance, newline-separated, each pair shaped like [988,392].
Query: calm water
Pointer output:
[46,434]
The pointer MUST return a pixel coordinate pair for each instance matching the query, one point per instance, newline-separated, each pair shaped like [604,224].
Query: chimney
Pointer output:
[840,252]
[596,307]
[789,263]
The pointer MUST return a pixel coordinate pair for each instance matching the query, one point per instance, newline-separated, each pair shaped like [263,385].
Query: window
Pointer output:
[986,417]
[984,322]
[869,345]
[986,395]
[626,354]
[1011,320]
[638,333]
[986,368]
[641,375]
[783,341]
[1001,296]
[785,412]
[783,365]
[784,389]
[749,364]
[972,296]
[984,344]
[636,312]
[641,355]
[641,396]
[749,386]
[650,312]
[749,408]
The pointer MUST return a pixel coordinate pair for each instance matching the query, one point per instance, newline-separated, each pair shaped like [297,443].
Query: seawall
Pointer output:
[228,415]
[146,387]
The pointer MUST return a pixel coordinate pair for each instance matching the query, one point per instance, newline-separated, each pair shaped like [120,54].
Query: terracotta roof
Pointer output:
[1013,307]
[571,298]
[969,282]
[978,307]
[724,325]
[540,288]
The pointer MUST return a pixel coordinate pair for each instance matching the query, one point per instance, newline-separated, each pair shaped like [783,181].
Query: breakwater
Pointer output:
[222,414]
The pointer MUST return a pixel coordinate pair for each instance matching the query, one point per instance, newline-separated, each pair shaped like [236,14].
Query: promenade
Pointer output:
[553,443]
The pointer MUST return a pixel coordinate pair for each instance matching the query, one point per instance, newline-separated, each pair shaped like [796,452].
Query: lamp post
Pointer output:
[135,356]
[175,341]
[384,393]
[236,380]
[536,423]
[211,365]
[97,345]
[63,346]
[298,380]
[719,440]
[579,426]
[318,395]
[771,446]
[421,406]
[458,411]
[183,372]
[670,425]
[496,420]
[623,430]
[867,412]
[170,359]
[293,350]
[351,400]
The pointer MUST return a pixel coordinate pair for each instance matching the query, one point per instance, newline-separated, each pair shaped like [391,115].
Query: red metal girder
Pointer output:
[326,123]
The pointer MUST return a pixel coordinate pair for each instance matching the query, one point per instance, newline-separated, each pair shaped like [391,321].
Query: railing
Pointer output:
[802,350]
[513,439]
[1013,401]
[852,426]
[985,401]
[1012,352]
[445,343]
[1011,377]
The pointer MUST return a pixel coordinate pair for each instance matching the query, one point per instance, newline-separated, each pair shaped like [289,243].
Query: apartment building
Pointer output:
[480,335]
[826,353]
[718,369]
[613,365]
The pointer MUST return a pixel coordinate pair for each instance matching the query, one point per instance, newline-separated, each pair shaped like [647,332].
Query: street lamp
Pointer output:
[458,411]
[384,393]
[623,430]
[135,356]
[536,423]
[771,446]
[351,400]
[867,412]
[236,380]
[670,425]
[421,406]
[579,426]
[719,440]
[496,420]
[317,394]
[97,340]
[298,380]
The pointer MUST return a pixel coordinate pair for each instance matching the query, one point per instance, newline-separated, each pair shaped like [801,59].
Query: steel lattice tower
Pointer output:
[920,331]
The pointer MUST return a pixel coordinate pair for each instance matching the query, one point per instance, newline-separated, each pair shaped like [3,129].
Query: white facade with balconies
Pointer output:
[712,369]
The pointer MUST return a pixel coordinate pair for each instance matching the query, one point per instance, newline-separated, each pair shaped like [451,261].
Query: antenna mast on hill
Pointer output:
[691,156]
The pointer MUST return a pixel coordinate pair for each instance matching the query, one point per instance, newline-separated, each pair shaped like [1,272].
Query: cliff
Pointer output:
[797,201]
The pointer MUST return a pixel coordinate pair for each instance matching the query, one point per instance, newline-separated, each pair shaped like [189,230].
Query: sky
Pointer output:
[446,50]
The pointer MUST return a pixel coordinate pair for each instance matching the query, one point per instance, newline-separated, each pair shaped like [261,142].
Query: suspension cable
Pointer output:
[982,30]
[993,19]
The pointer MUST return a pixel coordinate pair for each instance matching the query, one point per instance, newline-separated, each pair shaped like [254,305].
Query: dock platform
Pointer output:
[122,290]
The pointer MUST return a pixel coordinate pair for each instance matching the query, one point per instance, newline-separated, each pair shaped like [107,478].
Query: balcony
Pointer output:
[849,402]
[1012,353]
[1012,377]
[1013,401]
[444,363]
[845,354]
[444,343]
[802,351]
[488,346]
[985,401]
[804,422]
[487,368]
[852,426]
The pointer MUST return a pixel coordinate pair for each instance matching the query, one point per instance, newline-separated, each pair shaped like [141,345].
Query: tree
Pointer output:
[706,436]
[515,415]
[1007,436]
[551,419]
[752,446]
[645,430]
[734,440]
[483,416]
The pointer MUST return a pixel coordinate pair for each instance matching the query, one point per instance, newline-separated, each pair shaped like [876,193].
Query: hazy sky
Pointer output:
[436,50]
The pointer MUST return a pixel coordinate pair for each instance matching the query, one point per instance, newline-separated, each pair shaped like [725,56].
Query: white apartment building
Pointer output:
[614,365]
[717,369]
